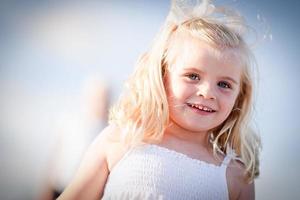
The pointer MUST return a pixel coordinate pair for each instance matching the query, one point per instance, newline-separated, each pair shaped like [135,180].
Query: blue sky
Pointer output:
[48,49]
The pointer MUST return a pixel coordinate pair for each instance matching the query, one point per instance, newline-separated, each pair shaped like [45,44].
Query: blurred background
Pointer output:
[63,63]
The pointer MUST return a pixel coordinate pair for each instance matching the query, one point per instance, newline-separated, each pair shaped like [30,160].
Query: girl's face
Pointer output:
[202,84]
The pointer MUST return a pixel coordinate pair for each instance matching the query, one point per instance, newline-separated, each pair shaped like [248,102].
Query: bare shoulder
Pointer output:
[114,146]
[109,145]
[104,140]
[237,184]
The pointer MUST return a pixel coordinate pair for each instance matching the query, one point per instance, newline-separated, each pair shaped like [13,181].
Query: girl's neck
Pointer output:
[186,136]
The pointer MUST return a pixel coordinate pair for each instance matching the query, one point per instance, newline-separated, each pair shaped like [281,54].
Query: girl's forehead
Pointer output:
[187,50]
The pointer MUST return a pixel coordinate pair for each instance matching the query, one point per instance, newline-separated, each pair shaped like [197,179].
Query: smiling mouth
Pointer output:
[201,107]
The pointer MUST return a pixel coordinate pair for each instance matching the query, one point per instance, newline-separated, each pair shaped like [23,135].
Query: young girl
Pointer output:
[180,131]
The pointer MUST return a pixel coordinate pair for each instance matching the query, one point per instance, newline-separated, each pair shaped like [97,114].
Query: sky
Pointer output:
[49,49]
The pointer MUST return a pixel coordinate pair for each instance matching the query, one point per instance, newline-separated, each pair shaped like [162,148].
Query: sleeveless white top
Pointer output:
[154,172]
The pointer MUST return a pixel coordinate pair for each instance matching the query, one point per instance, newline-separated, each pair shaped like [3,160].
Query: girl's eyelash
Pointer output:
[224,84]
[196,77]
[193,76]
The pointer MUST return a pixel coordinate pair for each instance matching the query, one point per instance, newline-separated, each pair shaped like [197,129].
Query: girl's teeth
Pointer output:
[201,108]
[206,109]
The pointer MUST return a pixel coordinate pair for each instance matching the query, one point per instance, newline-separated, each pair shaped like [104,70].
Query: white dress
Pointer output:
[154,172]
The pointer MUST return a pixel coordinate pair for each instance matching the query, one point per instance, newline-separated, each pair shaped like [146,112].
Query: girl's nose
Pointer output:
[206,91]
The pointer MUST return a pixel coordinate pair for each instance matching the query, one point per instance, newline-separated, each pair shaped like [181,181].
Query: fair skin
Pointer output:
[202,88]
[202,85]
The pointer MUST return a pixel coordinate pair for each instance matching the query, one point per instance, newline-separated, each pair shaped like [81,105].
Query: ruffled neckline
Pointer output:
[180,155]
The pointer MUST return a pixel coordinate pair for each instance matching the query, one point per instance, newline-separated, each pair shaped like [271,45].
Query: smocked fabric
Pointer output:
[154,172]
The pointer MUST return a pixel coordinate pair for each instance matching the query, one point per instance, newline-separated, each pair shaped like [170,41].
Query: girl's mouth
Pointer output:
[201,107]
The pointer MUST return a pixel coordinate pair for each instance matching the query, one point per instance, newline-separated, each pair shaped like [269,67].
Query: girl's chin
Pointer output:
[198,129]
[199,126]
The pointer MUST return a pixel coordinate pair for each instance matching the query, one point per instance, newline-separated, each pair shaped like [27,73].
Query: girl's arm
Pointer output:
[238,188]
[91,176]
[247,192]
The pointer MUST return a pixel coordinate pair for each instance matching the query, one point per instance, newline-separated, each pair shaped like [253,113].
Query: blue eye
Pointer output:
[224,84]
[193,77]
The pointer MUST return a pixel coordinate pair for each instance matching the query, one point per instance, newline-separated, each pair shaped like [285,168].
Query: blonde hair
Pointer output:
[142,110]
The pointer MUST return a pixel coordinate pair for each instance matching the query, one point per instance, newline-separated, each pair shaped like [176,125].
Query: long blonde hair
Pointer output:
[142,110]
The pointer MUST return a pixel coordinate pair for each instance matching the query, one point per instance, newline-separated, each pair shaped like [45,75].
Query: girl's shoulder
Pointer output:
[238,187]
[109,141]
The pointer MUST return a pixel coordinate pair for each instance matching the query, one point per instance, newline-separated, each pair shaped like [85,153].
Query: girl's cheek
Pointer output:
[229,99]
[230,94]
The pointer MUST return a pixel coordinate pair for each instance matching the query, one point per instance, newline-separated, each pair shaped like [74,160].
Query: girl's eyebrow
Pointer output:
[194,69]
[230,79]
